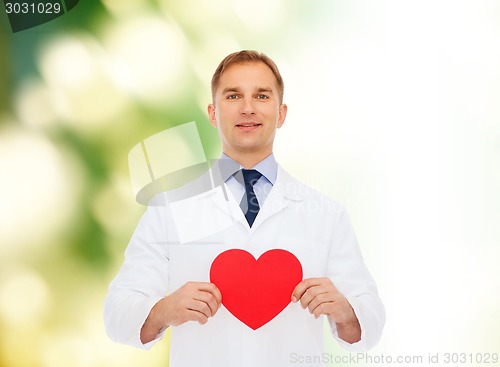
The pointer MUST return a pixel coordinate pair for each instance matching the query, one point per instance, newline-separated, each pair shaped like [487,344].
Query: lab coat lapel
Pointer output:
[203,208]
[225,201]
[280,197]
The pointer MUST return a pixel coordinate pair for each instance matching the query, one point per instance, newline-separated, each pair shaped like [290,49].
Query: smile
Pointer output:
[249,124]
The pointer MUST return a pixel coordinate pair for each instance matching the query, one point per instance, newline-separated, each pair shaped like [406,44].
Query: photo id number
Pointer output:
[26,8]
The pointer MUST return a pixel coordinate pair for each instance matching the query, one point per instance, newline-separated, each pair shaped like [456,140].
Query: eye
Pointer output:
[262,96]
[232,96]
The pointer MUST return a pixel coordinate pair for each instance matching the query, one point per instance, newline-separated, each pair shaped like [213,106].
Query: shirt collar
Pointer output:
[268,167]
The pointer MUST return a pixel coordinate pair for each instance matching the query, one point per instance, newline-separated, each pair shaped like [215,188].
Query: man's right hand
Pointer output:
[194,301]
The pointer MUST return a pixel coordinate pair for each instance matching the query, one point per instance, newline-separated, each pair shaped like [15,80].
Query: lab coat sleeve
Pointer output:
[349,274]
[141,282]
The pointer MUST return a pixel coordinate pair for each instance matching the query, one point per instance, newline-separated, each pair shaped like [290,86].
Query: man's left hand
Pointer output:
[321,297]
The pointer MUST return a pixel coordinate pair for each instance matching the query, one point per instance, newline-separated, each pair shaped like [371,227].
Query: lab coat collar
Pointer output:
[284,192]
[216,209]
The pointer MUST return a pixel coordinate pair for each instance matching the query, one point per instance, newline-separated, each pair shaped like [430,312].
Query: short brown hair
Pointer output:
[244,56]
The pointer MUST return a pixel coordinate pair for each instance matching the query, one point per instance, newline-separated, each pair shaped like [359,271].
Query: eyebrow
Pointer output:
[230,90]
[266,90]
[237,90]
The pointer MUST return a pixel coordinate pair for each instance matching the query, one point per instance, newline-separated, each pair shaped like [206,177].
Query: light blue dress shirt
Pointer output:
[234,178]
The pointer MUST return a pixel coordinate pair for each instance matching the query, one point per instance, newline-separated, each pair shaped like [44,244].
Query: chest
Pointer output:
[305,233]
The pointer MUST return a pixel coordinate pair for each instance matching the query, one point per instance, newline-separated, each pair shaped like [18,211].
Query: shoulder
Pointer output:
[296,189]
[182,185]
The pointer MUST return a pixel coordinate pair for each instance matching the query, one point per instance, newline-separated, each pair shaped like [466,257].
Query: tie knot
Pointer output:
[251,176]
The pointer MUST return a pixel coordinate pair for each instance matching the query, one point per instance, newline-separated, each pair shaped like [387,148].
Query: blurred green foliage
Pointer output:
[77,93]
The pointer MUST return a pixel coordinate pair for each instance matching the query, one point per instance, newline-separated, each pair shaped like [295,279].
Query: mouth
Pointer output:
[248,126]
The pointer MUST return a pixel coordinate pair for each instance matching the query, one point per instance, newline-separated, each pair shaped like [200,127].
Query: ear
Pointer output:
[211,114]
[282,115]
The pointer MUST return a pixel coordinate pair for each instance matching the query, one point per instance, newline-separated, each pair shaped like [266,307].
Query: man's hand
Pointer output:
[194,301]
[321,297]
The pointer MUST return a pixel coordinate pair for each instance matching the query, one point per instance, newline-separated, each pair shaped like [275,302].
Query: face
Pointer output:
[247,110]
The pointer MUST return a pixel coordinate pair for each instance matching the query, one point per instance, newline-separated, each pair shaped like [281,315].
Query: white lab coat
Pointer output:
[177,242]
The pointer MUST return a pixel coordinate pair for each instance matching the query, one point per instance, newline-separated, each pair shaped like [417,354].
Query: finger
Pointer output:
[318,300]
[307,297]
[197,316]
[188,315]
[325,308]
[312,294]
[200,307]
[209,300]
[301,288]
[216,293]
[202,319]
[212,289]
[324,293]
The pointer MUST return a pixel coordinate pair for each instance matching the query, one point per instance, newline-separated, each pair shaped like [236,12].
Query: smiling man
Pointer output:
[263,209]
[247,109]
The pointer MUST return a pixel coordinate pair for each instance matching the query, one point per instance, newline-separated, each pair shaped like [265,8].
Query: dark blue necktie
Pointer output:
[250,206]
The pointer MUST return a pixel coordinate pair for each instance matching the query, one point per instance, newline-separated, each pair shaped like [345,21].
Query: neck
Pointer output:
[248,160]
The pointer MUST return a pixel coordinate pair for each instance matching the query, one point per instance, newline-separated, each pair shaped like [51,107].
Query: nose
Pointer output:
[247,106]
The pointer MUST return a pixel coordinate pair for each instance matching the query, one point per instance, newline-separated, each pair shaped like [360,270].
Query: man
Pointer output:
[165,255]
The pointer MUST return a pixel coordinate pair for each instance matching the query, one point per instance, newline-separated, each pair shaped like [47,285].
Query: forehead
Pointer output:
[247,75]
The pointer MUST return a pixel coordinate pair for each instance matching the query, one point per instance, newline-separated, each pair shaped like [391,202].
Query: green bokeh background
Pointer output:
[398,100]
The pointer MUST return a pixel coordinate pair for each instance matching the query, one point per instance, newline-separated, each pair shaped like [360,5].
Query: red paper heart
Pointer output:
[256,291]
